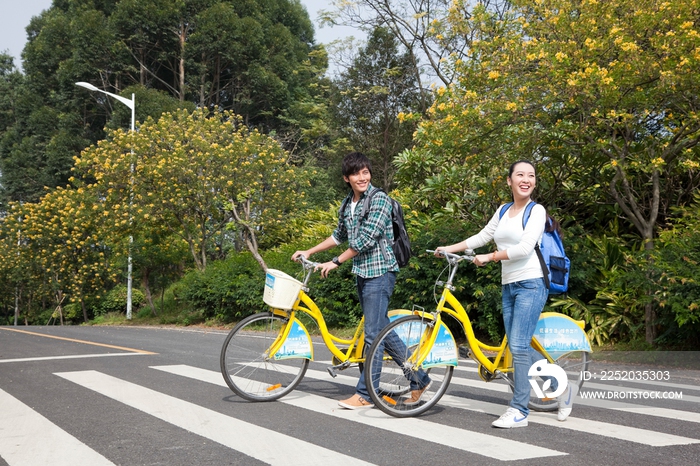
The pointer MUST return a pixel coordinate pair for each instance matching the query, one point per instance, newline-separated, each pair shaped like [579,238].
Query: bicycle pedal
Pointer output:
[331,371]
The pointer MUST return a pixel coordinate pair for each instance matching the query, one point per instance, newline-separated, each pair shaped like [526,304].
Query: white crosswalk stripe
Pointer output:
[21,445]
[631,434]
[598,403]
[250,439]
[474,442]
[29,439]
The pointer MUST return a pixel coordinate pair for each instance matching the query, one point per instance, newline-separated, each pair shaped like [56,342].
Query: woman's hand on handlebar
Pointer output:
[482,259]
[302,254]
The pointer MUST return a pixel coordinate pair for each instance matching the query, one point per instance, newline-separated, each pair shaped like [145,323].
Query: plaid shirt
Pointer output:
[369,242]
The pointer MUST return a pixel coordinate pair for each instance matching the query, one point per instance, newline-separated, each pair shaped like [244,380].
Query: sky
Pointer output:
[15,16]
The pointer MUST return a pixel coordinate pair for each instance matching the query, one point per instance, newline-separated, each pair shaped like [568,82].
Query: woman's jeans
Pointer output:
[523,302]
[374,294]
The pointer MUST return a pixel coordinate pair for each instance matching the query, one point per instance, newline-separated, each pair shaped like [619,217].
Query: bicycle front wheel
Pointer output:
[390,372]
[248,368]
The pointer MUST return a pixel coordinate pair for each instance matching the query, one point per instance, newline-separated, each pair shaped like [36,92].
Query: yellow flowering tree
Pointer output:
[58,246]
[603,93]
[200,175]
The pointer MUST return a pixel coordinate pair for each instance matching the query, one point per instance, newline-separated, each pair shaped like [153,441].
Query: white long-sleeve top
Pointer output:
[508,234]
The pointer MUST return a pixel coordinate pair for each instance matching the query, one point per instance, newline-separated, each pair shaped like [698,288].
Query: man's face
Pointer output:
[359,181]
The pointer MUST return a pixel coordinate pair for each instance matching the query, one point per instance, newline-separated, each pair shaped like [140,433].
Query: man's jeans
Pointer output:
[374,294]
[523,302]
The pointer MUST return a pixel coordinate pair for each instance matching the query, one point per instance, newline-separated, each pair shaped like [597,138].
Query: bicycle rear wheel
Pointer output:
[574,364]
[246,365]
[388,370]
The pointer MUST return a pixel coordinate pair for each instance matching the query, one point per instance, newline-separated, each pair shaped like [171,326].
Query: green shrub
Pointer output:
[115,300]
[228,290]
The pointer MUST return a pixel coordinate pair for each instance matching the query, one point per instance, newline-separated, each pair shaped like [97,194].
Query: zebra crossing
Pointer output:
[21,446]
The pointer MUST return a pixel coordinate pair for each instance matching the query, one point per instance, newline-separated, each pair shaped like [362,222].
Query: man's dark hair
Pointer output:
[354,162]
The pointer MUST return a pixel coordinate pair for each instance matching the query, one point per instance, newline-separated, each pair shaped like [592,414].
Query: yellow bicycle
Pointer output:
[265,356]
[430,345]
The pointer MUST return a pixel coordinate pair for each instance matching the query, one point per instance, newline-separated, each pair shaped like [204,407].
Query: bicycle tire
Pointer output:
[388,383]
[246,367]
[574,364]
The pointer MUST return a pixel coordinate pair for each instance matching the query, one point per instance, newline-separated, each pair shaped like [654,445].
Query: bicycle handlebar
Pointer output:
[454,258]
[306,262]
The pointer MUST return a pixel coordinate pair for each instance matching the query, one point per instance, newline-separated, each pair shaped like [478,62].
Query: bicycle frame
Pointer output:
[502,362]
[353,354]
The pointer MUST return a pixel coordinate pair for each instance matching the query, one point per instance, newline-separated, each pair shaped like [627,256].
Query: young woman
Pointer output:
[524,291]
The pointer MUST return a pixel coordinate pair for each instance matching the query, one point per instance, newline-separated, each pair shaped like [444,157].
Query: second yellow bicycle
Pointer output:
[431,346]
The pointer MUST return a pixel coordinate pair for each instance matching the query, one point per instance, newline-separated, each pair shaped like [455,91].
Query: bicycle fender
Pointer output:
[393,315]
[396,313]
[296,344]
[444,351]
[559,334]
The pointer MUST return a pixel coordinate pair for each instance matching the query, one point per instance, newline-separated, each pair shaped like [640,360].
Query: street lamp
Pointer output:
[132,105]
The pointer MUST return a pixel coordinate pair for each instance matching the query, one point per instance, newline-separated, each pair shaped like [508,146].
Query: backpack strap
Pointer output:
[526,214]
[343,206]
[364,213]
[526,217]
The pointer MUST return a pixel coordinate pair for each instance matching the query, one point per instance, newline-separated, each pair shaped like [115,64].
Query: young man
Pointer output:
[374,264]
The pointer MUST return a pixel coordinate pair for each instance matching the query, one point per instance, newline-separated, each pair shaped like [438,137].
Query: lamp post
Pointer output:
[132,105]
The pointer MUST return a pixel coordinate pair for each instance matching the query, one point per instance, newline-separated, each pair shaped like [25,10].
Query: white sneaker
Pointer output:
[566,401]
[510,419]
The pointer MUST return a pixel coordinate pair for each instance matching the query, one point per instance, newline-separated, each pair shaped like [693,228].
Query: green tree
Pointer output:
[256,57]
[420,27]
[604,94]
[58,241]
[369,97]
[196,174]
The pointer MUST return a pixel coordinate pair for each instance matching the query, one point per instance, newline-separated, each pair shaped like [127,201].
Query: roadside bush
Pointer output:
[228,290]
[115,301]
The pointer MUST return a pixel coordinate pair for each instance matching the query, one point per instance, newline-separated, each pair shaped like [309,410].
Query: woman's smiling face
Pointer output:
[523,180]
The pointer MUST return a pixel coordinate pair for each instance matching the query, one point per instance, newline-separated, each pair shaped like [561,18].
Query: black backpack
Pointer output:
[401,245]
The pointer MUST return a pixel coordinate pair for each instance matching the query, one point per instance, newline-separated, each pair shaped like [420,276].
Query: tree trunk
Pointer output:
[626,198]
[147,289]
[84,309]
[248,232]
[649,311]
[181,71]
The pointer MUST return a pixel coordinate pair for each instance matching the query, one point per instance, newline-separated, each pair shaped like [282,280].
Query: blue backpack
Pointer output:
[555,264]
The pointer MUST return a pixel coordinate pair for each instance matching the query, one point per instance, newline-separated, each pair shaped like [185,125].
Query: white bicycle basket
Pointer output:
[281,290]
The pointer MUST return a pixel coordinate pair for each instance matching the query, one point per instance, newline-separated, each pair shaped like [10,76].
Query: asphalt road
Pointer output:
[92,396]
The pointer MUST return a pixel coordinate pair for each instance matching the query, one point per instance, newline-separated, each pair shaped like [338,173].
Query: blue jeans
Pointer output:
[374,294]
[523,302]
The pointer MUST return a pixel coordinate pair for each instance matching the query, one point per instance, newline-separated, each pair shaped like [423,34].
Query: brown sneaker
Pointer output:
[355,402]
[416,395]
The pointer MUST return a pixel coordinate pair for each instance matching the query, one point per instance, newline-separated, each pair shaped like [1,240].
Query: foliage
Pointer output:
[195,174]
[115,300]
[256,58]
[58,244]
[227,290]
[602,94]
[368,100]
[677,263]
[418,26]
